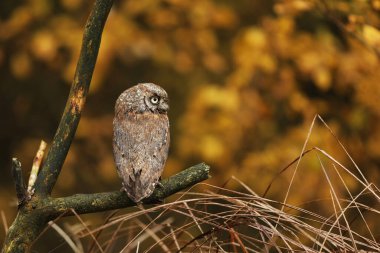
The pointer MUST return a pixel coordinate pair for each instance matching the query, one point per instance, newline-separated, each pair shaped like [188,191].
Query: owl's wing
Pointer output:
[141,145]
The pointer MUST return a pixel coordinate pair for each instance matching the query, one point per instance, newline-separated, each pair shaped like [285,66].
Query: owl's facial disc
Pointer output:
[157,103]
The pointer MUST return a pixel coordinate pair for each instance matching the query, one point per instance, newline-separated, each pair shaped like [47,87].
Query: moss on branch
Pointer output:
[90,203]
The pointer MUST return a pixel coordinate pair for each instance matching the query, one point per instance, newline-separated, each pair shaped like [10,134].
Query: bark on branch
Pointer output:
[19,181]
[97,202]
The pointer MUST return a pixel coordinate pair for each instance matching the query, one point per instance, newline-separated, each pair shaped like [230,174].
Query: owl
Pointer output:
[141,138]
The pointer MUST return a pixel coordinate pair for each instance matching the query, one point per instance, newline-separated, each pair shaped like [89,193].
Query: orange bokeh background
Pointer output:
[245,80]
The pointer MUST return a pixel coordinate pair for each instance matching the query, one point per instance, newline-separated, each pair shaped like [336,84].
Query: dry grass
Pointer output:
[230,221]
[224,220]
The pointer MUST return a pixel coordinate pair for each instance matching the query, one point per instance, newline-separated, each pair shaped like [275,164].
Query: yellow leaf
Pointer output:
[376,4]
[322,78]
[44,45]
[211,148]
[255,38]
[371,35]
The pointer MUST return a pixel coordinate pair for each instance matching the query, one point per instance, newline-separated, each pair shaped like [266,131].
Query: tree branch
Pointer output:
[97,202]
[19,180]
[78,93]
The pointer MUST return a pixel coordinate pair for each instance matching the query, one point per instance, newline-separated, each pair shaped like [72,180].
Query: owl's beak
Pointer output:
[164,106]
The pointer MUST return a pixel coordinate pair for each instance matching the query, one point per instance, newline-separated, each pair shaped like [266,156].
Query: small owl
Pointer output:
[141,138]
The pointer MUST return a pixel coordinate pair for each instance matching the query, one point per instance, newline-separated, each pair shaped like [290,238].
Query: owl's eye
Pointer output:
[154,100]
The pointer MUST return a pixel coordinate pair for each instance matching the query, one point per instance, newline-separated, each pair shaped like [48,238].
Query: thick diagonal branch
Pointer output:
[78,93]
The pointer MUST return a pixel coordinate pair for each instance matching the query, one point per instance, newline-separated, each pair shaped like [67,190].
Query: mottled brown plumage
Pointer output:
[141,138]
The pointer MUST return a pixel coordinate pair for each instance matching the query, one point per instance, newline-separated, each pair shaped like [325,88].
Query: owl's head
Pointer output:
[143,97]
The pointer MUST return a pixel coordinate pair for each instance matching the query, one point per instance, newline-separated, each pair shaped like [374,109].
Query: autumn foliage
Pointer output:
[245,80]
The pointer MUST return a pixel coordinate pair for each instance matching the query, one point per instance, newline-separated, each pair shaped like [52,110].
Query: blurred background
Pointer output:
[245,80]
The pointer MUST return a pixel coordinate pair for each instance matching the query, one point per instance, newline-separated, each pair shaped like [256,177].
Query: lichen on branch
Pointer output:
[97,202]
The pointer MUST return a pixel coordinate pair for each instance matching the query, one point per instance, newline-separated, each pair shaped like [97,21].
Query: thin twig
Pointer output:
[19,181]
[36,167]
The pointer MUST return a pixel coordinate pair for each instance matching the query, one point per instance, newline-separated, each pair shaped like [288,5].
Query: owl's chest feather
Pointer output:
[146,119]
[144,126]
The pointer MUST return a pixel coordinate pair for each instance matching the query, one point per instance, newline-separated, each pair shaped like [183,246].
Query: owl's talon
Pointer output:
[123,189]
[160,185]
